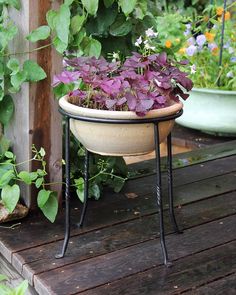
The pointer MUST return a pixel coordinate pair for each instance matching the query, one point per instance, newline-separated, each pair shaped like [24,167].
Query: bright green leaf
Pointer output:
[33,175]
[62,22]
[6,109]
[42,152]
[9,155]
[39,182]
[127,6]
[91,6]
[94,191]
[80,188]
[18,79]
[76,23]
[68,2]
[33,71]
[51,18]
[43,197]
[121,27]
[22,288]
[41,33]
[10,196]
[15,3]
[51,207]
[59,45]
[14,65]
[25,176]
[93,48]
[6,177]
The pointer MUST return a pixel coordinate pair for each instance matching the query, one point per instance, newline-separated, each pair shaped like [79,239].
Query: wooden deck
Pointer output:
[118,252]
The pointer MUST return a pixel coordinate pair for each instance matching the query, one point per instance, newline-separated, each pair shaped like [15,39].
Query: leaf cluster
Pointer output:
[6,290]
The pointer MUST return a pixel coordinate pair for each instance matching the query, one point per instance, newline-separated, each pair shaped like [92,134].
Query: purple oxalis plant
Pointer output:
[140,84]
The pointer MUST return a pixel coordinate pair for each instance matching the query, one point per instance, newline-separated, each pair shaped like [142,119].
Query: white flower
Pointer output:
[231,50]
[148,46]
[138,41]
[230,74]
[150,33]
[115,56]
[193,69]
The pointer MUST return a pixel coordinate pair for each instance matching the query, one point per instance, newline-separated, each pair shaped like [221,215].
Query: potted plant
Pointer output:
[212,103]
[142,86]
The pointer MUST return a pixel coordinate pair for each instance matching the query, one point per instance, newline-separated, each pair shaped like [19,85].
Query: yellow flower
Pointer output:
[168,44]
[177,40]
[219,10]
[182,50]
[209,36]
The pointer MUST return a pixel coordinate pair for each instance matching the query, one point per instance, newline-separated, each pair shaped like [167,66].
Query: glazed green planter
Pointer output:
[210,111]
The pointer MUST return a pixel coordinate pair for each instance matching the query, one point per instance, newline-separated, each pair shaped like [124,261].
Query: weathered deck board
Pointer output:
[186,273]
[142,256]
[39,259]
[118,250]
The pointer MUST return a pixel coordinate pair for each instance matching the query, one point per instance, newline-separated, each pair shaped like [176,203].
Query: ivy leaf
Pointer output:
[108,3]
[39,182]
[94,191]
[51,18]
[6,109]
[42,152]
[92,48]
[33,71]
[41,33]
[43,197]
[33,175]
[91,6]
[9,155]
[14,65]
[76,23]
[59,45]
[17,80]
[25,176]
[6,177]
[62,24]
[10,196]
[68,2]
[80,188]
[121,27]
[3,278]
[51,207]
[127,6]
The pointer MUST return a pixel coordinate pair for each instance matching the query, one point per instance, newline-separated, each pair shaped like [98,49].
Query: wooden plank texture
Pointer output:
[134,259]
[39,259]
[186,273]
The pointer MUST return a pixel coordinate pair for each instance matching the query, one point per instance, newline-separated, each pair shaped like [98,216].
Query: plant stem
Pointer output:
[25,52]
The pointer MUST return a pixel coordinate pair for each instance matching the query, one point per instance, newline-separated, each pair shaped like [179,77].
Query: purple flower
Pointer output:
[233,59]
[212,46]
[201,39]
[191,50]
[191,41]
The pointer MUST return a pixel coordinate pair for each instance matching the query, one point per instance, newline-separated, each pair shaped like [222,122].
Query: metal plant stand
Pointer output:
[155,122]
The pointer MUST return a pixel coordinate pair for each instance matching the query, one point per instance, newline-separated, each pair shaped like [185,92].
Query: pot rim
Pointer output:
[94,113]
[214,91]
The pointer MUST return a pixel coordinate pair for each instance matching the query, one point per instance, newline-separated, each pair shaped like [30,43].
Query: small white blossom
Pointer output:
[115,56]
[230,74]
[150,33]
[148,46]
[138,41]
[193,69]
[231,50]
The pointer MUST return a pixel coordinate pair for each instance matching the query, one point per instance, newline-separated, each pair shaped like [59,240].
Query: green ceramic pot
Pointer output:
[211,111]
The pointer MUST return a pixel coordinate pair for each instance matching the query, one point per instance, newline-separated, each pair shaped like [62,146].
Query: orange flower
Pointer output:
[182,50]
[219,10]
[215,51]
[209,36]
[227,15]
[168,44]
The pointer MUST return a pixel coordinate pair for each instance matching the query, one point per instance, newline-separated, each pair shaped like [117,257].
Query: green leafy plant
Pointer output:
[6,290]
[10,177]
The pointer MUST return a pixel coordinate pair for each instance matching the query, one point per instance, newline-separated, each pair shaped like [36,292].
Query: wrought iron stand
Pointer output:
[155,122]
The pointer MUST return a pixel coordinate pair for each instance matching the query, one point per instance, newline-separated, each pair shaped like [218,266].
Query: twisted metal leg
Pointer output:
[170,186]
[67,189]
[159,195]
[86,187]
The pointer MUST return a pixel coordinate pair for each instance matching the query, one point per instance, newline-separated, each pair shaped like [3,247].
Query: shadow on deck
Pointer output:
[118,250]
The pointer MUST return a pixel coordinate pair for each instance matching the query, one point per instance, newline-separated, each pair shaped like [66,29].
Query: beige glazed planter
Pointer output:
[118,139]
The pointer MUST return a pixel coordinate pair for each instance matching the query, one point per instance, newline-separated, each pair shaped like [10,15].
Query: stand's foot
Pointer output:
[58,256]
[168,264]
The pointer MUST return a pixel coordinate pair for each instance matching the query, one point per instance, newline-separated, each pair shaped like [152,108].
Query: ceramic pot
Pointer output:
[211,111]
[118,139]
